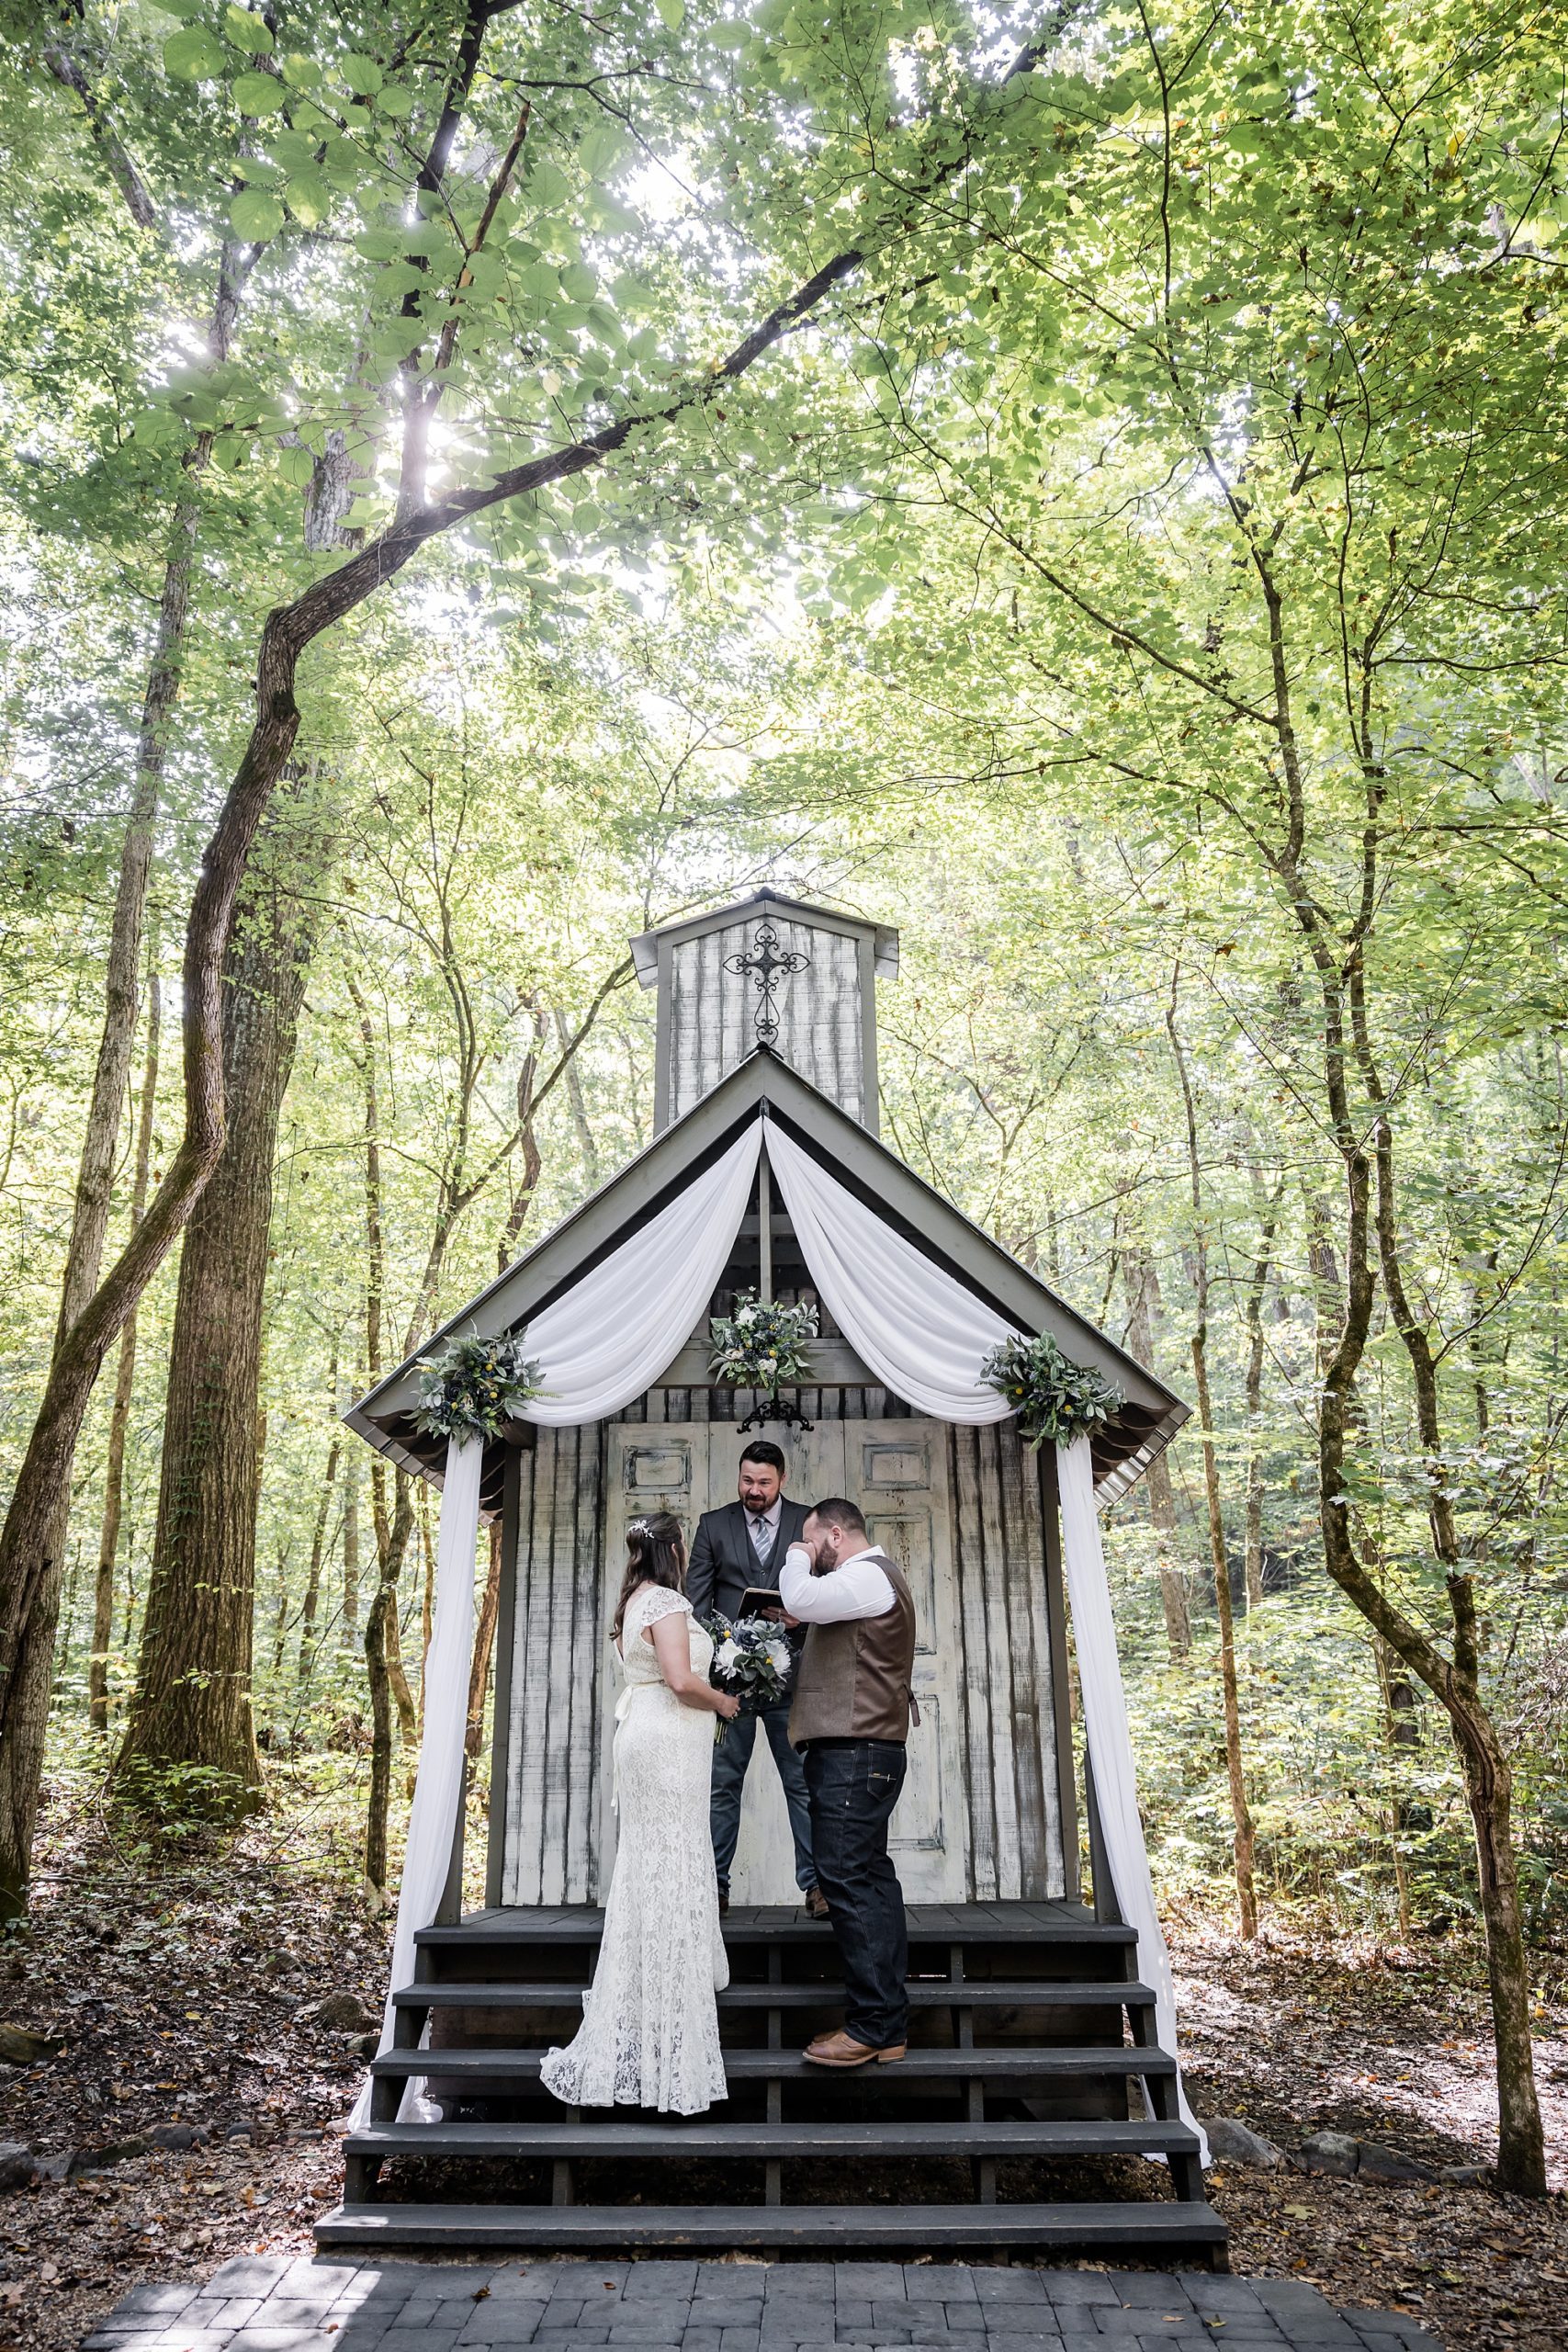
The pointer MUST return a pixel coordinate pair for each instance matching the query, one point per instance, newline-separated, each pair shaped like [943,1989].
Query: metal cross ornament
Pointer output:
[765,967]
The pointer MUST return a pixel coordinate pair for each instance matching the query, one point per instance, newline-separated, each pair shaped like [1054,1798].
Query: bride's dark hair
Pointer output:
[655,1554]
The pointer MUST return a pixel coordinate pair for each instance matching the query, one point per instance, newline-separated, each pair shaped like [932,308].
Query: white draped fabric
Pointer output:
[919,1332]
[915,1326]
[438,1791]
[1111,1740]
[611,1335]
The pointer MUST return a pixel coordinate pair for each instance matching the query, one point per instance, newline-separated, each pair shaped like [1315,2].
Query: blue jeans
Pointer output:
[854,1786]
[730,1759]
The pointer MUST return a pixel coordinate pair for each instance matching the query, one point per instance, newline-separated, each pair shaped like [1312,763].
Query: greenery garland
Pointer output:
[763,1345]
[1053,1396]
[474,1387]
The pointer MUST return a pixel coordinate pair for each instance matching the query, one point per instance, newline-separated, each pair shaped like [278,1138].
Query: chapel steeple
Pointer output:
[767,970]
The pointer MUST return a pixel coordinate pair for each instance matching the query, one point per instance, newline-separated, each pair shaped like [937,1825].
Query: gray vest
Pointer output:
[853,1679]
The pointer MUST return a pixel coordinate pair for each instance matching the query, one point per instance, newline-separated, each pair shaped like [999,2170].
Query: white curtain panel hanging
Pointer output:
[438,1791]
[611,1335]
[1109,1739]
[913,1324]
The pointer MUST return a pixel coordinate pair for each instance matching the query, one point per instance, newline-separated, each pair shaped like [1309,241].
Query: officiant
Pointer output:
[738,1548]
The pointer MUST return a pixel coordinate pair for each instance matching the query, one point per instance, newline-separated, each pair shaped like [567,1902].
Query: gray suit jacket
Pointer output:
[723,1564]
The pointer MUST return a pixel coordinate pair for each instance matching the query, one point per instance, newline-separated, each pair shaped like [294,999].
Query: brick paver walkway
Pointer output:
[257,2304]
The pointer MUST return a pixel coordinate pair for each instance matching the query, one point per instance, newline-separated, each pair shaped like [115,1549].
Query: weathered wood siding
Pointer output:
[1010,1743]
[711,1014]
[1014,1682]
[549,1788]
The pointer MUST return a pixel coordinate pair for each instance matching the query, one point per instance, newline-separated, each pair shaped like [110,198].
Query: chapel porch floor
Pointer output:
[1033,2076]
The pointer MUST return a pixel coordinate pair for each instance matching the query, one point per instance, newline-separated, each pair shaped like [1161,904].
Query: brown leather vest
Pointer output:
[853,1679]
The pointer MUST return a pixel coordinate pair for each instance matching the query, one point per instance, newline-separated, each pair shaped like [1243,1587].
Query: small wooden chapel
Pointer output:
[1035,2067]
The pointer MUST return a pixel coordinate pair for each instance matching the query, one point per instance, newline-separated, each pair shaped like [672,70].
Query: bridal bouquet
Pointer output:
[753,1659]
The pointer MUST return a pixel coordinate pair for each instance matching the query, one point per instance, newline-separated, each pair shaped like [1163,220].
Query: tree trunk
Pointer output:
[351,1557]
[1256,1287]
[1142,1296]
[192,1699]
[124,1387]
[484,1643]
[1404,1733]
[1488,1788]
[312,1601]
[528,1135]
[1243,1837]
[1521,2150]
[574,1096]
[391,1530]
[380,1789]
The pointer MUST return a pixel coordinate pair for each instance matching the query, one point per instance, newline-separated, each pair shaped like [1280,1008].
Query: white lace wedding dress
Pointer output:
[649,2032]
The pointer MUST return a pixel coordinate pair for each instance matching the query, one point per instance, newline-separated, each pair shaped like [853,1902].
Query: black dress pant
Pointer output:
[853,1786]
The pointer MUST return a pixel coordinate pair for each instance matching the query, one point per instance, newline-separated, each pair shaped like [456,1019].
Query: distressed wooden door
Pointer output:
[897,1471]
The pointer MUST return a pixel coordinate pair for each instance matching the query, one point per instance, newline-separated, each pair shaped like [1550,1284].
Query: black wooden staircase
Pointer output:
[1031,2060]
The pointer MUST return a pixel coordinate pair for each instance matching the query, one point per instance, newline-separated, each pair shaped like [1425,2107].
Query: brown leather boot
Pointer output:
[816,1902]
[842,2048]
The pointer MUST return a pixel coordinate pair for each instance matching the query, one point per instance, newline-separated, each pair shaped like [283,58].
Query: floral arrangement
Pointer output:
[474,1387]
[763,1345]
[1053,1396]
[752,1660]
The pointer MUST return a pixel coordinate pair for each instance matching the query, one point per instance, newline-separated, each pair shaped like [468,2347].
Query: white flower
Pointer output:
[778,1654]
[729,1654]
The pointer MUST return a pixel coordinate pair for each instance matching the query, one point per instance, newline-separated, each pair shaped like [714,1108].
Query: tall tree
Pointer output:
[124,1381]
[192,1701]
[1243,1839]
[28,1623]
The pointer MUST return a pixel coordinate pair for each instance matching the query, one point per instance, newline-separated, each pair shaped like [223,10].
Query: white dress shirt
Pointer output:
[859,1587]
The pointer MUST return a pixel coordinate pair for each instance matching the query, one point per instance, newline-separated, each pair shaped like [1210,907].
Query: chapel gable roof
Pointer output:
[765,1085]
[883,937]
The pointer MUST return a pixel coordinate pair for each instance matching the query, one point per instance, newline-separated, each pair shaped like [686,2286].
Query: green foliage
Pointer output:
[1056,1400]
[472,1388]
[763,1343]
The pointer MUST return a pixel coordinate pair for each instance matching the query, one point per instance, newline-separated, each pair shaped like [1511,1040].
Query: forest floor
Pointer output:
[181,1988]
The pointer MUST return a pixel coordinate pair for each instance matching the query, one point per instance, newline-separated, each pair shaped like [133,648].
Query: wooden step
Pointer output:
[923,1992]
[703,2137]
[1169,2227]
[989,2064]
[934,1923]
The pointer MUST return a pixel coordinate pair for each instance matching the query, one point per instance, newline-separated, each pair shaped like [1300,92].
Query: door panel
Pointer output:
[903,1490]
[897,1471]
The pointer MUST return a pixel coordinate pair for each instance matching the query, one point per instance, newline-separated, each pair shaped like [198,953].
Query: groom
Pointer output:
[742,1545]
[850,1720]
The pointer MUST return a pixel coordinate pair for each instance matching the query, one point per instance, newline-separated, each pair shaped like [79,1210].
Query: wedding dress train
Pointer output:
[649,2032]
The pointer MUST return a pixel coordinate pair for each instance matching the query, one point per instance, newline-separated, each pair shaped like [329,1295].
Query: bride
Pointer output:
[649,2032]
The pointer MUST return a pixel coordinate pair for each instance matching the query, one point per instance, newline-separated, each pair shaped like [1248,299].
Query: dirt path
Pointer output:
[1297,2037]
[183,2001]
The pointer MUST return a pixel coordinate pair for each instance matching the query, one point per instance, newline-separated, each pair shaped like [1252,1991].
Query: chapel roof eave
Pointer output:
[765,1084]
